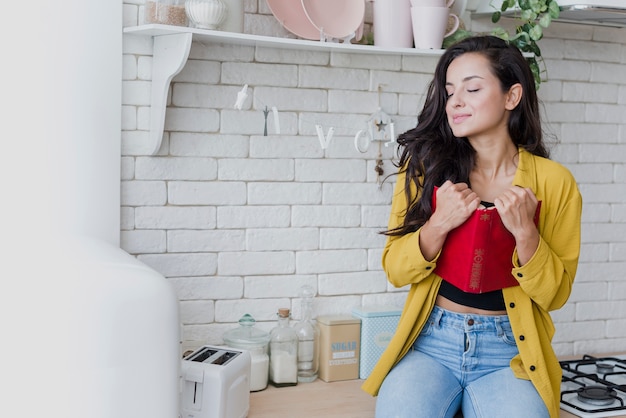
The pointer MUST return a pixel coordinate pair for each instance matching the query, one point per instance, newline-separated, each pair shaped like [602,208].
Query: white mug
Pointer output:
[392,24]
[430,24]
[432,3]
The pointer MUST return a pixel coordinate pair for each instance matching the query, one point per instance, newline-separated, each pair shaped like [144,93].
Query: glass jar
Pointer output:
[283,352]
[248,337]
[166,12]
[308,338]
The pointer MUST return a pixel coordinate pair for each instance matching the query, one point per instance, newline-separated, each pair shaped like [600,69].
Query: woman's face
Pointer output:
[476,106]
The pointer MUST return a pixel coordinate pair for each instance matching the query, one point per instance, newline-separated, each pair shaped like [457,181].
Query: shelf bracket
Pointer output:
[169,57]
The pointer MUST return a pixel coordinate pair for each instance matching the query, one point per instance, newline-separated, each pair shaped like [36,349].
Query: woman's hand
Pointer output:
[455,203]
[516,207]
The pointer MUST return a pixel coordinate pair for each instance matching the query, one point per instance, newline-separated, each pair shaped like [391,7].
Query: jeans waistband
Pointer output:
[468,322]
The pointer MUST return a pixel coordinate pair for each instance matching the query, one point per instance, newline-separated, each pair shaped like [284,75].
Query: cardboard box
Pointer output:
[340,340]
[378,324]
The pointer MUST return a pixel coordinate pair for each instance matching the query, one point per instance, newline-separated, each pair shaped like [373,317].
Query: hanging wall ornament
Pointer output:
[241,97]
[265,113]
[276,120]
[379,125]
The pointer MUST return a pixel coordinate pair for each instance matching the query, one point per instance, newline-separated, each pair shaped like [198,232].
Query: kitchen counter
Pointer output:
[343,399]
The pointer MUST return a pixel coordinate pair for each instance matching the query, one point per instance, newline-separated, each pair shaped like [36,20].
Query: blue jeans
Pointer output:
[459,362]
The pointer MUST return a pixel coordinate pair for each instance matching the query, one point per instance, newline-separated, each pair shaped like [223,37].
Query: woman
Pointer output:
[478,140]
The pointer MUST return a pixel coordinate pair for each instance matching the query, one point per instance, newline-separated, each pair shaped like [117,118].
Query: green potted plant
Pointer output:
[532,17]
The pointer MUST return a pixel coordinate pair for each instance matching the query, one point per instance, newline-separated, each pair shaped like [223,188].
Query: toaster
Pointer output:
[215,383]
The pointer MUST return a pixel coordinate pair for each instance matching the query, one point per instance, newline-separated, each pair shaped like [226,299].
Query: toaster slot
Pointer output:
[202,355]
[225,358]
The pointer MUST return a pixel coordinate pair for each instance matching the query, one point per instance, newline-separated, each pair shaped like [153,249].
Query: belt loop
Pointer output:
[498,323]
[437,317]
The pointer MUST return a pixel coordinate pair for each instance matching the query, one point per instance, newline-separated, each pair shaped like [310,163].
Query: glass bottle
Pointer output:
[283,352]
[249,337]
[165,12]
[308,338]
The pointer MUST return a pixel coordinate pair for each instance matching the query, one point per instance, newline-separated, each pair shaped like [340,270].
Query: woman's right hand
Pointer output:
[455,203]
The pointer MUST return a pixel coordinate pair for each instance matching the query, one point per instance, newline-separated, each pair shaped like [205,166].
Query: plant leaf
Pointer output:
[507,4]
[528,15]
[536,33]
[545,20]
[532,17]
[456,37]
[538,6]
[526,27]
[500,33]
[534,68]
[554,9]
[534,48]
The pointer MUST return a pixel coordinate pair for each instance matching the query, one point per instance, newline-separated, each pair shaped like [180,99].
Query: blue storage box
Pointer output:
[378,324]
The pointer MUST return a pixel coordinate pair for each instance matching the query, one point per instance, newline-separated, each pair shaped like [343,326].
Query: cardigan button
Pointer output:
[428,267]
[522,338]
[512,304]
[532,368]
[520,275]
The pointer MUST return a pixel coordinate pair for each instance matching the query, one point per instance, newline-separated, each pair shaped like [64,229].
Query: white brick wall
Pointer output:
[238,221]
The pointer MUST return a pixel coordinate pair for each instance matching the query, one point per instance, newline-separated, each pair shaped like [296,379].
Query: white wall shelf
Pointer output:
[173,43]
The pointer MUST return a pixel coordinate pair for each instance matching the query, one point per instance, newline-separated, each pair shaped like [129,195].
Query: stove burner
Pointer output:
[604,367]
[596,395]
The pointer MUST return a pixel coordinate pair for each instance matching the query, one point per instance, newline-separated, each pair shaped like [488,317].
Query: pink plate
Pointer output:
[291,14]
[338,18]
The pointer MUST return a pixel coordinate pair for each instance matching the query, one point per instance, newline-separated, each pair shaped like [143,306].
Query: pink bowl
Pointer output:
[337,18]
[291,14]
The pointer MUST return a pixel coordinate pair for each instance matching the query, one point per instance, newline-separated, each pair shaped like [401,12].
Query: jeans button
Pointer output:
[470,322]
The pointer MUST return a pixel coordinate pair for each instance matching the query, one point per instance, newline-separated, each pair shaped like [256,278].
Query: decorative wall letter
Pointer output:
[324,141]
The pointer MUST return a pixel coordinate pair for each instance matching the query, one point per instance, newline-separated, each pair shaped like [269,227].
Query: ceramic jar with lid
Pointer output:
[250,338]
[165,12]
[206,14]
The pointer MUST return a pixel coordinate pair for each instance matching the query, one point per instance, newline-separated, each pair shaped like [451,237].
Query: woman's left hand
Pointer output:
[516,207]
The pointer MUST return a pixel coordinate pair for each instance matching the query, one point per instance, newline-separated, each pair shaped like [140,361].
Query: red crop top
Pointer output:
[490,301]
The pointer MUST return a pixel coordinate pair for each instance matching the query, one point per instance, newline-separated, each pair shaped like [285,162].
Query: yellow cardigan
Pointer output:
[545,282]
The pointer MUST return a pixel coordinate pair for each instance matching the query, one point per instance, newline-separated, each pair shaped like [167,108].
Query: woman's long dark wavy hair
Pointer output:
[430,154]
